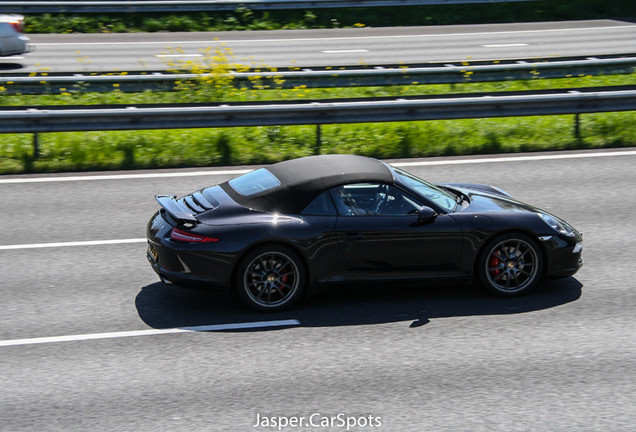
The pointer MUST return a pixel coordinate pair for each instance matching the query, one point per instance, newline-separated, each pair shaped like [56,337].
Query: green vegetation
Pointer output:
[223,146]
[202,92]
[204,147]
[245,19]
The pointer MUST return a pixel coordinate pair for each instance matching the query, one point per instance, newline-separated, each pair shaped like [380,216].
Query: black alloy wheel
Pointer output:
[270,278]
[511,264]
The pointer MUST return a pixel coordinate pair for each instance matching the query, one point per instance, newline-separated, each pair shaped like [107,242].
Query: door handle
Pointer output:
[353,236]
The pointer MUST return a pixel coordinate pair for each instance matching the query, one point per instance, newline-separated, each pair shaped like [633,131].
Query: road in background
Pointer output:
[434,359]
[331,47]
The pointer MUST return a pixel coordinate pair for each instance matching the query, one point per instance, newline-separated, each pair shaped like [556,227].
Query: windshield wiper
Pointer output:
[460,197]
[463,197]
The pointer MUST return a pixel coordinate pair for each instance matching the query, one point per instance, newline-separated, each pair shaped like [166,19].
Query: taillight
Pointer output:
[18,25]
[183,236]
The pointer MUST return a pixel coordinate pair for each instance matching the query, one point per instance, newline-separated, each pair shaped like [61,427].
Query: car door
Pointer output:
[381,236]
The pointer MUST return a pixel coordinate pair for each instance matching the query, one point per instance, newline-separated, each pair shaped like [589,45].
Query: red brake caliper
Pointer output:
[494,262]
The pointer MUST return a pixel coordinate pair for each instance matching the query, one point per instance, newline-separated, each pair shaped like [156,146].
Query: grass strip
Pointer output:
[227,146]
[215,90]
[245,19]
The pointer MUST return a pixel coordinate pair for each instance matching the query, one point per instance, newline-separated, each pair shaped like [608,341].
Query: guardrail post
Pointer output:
[318,140]
[36,145]
[577,126]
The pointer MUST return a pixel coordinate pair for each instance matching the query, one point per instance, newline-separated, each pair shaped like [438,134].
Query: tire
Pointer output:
[511,264]
[270,278]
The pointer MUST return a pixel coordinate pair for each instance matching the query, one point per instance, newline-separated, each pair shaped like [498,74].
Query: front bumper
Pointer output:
[564,255]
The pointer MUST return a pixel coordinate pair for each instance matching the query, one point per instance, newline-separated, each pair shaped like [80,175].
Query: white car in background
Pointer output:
[12,38]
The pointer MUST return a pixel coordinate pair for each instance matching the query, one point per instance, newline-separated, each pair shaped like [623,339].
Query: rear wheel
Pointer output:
[270,278]
[511,264]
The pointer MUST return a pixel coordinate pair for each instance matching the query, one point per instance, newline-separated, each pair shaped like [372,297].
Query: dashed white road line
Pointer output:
[152,332]
[75,243]
[177,55]
[345,51]
[505,45]
[122,176]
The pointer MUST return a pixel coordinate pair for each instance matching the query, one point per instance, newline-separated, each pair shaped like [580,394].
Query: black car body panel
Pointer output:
[367,244]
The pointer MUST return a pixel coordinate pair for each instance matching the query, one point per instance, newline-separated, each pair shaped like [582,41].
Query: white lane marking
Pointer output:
[252,41]
[69,244]
[505,45]
[123,176]
[177,55]
[344,51]
[12,58]
[516,159]
[114,335]
[243,171]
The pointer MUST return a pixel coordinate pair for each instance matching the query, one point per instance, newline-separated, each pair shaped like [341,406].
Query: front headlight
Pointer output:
[558,225]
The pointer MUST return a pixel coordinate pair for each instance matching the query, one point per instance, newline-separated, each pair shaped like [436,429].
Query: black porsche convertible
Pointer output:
[272,234]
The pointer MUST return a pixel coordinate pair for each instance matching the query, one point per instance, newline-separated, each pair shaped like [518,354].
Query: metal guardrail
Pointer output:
[121,6]
[447,74]
[33,120]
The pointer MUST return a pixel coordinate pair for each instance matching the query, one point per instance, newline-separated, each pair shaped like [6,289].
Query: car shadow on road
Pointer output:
[168,307]
[10,65]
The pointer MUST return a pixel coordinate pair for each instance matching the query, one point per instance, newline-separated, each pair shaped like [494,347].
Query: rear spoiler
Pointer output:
[169,203]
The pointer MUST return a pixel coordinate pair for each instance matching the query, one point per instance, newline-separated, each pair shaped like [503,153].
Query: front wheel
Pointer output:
[270,278]
[511,264]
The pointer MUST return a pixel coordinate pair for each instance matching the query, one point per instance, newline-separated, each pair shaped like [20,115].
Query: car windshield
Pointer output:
[439,196]
[254,182]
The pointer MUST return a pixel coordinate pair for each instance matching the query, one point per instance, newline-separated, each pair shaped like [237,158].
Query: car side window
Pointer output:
[322,205]
[373,199]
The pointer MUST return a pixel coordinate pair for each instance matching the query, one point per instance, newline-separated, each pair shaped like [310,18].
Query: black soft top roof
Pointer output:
[304,179]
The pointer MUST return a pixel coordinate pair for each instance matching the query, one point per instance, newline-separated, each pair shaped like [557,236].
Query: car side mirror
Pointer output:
[425,215]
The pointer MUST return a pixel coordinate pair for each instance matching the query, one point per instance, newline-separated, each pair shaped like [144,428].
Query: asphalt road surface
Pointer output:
[81,349]
[334,47]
